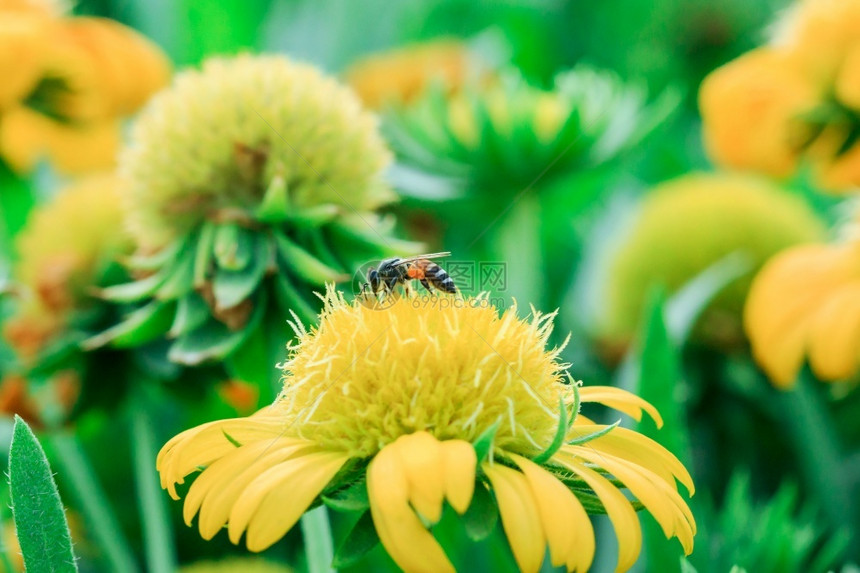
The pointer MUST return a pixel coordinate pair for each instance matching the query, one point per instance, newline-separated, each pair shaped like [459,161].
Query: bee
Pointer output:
[400,271]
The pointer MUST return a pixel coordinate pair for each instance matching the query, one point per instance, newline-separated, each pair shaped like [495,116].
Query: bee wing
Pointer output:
[427,256]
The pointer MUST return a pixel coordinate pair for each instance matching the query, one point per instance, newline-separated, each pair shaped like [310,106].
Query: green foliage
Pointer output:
[779,534]
[40,521]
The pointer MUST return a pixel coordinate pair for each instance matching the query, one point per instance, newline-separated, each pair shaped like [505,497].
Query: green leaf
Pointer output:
[203,254]
[353,497]
[213,340]
[686,566]
[133,291]
[361,539]
[275,207]
[361,233]
[305,265]
[315,216]
[594,435]
[659,382]
[233,247]
[688,303]
[316,534]
[141,326]
[232,287]
[180,276]
[40,522]
[191,312]
[481,517]
[289,299]
[484,443]
[558,439]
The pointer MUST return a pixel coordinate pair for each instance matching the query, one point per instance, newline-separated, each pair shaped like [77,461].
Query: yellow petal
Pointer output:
[639,449]
[581,420]
[273,502]
[834,337]
[568,530]
[22,138]
[620,400]
[460,462]
[663,503]
[405,539]
[204,444]
[781,303]
[83,149]
[520,517]
[421,459]
[618,508]
[215,491]
[22,39]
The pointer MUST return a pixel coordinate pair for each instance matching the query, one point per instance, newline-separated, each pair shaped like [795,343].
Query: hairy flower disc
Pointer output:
[453,372]
[217,139]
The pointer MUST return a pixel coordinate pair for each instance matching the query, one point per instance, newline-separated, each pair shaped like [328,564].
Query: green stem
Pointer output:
[316,532]
[817,445]
[157,530]
[93,501]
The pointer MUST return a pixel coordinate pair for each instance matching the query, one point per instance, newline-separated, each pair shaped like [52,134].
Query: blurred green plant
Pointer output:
[502,165]
[778,534]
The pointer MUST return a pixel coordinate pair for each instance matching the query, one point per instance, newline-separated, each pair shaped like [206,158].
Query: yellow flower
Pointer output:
[62,252]
[822,33]
[68,93]
[218,138]
[402,396]
[750,110]
[688,224]
[805,302]
[401,75]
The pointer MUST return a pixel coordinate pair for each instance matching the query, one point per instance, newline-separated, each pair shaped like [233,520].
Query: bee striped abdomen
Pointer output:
[436,276]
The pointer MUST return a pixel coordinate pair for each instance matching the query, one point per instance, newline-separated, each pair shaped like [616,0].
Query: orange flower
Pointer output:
[400,76]
[806,302]
[750,108]
[822,33]
[71,80]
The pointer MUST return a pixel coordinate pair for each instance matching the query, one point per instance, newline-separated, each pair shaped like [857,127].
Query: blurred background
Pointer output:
[588,189]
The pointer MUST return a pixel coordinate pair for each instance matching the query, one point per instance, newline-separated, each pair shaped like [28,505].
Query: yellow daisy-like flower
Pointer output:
[750,110]
[805,303]
[428,403]
[219,137]
[690,223]
[70,81]
[401,75]
[62,251]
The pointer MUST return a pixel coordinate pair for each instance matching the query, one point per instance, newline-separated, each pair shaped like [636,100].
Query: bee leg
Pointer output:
[426,284]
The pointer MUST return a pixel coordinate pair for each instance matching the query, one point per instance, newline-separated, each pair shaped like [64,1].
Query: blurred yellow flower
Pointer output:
[751,107]
[690,223]
[822,33]
[71,81]
[402,395]
[401,75]
[805,302]
[65,246]
[212,144]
